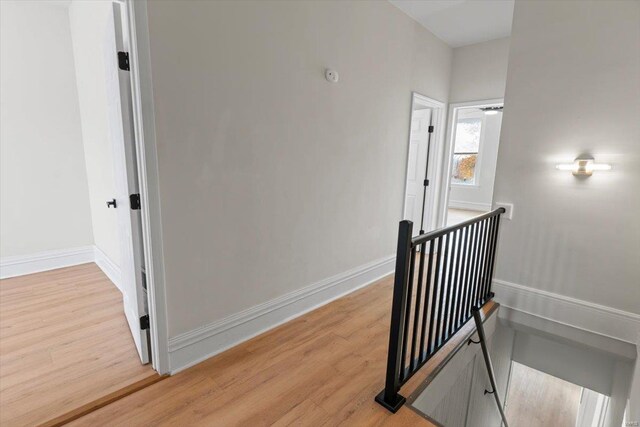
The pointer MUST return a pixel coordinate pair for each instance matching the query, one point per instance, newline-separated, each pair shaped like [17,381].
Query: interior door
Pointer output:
[129,219]
[417,164]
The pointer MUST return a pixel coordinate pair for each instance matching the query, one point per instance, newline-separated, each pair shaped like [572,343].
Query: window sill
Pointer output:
[465,185]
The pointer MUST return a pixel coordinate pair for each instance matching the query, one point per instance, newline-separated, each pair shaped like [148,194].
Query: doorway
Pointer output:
[471,159]
[74,304]
[425,133]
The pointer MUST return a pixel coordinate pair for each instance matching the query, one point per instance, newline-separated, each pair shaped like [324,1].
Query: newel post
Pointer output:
[389,397]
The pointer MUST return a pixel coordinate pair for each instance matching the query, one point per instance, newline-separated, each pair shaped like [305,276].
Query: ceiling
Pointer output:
[57,3]
[461,22]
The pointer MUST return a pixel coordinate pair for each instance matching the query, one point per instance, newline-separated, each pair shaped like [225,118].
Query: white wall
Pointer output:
[272,178]
[44,201]
[479,71]
[93,40]
[573,86]
[479,195]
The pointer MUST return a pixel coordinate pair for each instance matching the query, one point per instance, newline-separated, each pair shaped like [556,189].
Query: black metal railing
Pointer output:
[440,277]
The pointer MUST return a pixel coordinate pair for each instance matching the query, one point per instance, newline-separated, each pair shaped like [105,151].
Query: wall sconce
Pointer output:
[583,166]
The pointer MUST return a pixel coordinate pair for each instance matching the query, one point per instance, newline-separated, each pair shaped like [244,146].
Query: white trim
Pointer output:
[146,153]
[585,315]
[470,206]
[477,179]
[592,410]
[438,115]
[192,347]
[22,265]
[464,185]
[447,160]
[44,261]
[108,267]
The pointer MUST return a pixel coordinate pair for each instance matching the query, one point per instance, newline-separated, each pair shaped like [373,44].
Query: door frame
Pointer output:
[147,162]
[447,160]
[435,164]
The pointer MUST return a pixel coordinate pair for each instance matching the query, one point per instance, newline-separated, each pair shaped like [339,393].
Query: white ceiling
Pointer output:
[57,3]
[461,22]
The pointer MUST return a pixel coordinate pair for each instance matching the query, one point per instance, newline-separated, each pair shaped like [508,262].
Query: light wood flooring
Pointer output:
[536,399]
[455,216]
[321,369]
[65,346]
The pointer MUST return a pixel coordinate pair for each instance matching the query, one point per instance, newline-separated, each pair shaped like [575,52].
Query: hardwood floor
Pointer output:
[321,369]
[455,216]
[65,347]
[536,399]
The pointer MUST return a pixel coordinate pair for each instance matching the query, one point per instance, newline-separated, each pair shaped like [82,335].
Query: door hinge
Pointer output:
[430,127]
[426,183]
[134,200]
[144,322]
[123,60]
[144,281]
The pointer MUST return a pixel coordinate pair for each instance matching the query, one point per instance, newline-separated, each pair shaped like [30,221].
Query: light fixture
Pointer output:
[490,111]
[583,166]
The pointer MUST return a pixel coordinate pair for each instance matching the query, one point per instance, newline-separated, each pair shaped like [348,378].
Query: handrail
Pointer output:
[487,361]
[445,230]
[455,268]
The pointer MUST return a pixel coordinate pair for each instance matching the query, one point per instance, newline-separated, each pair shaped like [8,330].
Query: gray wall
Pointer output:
[573,86]
[271,178]
[479,71]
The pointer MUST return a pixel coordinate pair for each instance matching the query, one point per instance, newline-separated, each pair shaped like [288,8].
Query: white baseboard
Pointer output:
[108,267]
[588,316]
[51,260]
[192,347]
[44,261]
[470,206]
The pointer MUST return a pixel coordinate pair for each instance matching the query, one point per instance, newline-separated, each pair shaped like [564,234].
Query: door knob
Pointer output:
[112,202]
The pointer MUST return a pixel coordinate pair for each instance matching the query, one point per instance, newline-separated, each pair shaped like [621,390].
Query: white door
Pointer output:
[417,164]
[126,173]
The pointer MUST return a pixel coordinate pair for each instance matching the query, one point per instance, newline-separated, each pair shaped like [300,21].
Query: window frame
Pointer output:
[477,169]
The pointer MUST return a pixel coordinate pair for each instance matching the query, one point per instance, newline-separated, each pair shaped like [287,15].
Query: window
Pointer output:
[465,152]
